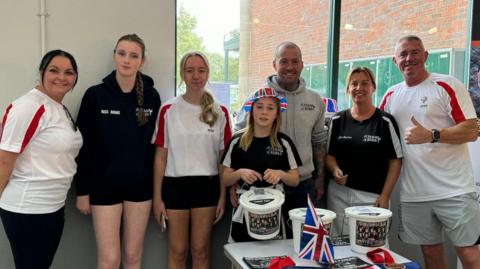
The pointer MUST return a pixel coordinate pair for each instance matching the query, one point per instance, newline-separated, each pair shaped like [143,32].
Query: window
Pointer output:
[239,38]
[370,29]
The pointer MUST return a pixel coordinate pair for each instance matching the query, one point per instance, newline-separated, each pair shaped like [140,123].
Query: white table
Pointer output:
[236,251]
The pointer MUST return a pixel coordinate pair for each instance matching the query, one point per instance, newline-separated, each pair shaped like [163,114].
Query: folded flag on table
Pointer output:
[315,244]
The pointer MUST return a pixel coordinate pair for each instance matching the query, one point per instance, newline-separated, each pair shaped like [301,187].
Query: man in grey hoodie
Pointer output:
[303,122]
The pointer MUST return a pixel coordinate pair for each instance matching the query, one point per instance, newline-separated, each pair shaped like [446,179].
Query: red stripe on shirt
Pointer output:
[32,127]
[457,113]
[4,120]
[227,131]
[160,139]
[384,100]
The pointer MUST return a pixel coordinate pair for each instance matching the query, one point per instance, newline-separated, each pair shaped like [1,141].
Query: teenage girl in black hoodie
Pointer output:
[114,176]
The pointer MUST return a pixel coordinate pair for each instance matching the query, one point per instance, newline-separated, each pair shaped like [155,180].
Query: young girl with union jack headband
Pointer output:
[259,155]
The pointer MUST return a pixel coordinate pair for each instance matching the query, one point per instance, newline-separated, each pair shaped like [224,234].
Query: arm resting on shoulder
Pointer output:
[7,163]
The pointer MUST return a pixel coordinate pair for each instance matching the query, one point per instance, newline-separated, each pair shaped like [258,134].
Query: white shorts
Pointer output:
[423,223]
[340,197]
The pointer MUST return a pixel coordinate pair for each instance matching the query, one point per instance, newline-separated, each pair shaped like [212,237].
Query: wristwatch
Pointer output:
[435,136]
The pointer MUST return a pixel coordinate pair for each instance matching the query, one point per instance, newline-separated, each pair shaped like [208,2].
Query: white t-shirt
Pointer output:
[193,146]
[39,129]
[432,171]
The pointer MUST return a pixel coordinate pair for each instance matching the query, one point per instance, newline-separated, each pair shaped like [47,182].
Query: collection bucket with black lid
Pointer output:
[368,227]
[263,212]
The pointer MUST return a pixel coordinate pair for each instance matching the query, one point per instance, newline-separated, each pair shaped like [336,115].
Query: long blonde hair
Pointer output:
[247,137]
[209,113]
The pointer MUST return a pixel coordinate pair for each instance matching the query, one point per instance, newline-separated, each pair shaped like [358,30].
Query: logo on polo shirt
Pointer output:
[424,100]
[372,138]
[274,151]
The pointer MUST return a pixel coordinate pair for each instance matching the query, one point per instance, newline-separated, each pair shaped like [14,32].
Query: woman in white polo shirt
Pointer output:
[192,132]
[38,145]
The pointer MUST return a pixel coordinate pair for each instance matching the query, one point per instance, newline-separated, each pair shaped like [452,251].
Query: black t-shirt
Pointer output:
[364,149]
[261,156]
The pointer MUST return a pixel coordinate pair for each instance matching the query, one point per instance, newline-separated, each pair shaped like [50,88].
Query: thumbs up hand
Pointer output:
[417,134]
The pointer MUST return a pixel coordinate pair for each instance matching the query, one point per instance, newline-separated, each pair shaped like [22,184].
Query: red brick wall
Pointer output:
[379,25]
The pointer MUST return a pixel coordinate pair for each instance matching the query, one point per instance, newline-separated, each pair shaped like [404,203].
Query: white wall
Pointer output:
[89,30]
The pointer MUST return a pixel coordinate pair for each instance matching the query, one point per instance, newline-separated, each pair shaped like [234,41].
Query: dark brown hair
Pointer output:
[48,57]
[141,118]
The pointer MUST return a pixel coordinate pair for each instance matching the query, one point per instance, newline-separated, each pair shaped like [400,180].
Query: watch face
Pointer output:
[435,135]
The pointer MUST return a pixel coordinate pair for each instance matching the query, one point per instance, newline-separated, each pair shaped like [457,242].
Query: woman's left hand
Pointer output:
[220,209]
[273,176]
[382,201]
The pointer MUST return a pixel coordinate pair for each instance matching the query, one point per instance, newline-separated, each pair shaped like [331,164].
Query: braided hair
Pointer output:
[141,118]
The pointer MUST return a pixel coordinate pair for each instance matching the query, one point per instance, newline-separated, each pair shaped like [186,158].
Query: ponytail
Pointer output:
[209,114]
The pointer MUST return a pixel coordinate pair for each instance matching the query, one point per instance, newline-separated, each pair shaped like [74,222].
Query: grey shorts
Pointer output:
[423,223]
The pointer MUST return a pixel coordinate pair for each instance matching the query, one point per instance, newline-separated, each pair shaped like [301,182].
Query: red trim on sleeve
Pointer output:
[227,135]
[160,139]
[4,120]
[384,100]
[457,113]
[32,127]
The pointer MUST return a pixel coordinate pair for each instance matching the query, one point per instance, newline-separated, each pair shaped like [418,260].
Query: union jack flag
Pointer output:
[315,243]
[330,105]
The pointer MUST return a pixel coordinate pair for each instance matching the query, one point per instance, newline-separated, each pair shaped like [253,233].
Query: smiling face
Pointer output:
[289,67]
[58,78]
[410,57]
[195,73]
[360,87]
[128,58]
[265,112]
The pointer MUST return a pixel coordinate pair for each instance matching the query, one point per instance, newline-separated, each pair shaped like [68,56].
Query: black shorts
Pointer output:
[107,194]
[190,192]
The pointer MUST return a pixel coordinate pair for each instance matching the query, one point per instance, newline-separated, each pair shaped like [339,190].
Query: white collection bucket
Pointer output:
[262,210]
[297,216]
[368,227]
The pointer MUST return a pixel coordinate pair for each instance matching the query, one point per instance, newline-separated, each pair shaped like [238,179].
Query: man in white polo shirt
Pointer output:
[436,119]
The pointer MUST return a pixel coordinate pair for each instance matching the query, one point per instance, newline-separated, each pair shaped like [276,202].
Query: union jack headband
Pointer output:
[265,92]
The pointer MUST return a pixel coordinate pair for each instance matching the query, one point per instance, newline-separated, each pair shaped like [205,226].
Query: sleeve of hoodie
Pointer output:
[319,132]
[86,124]
[240,120]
